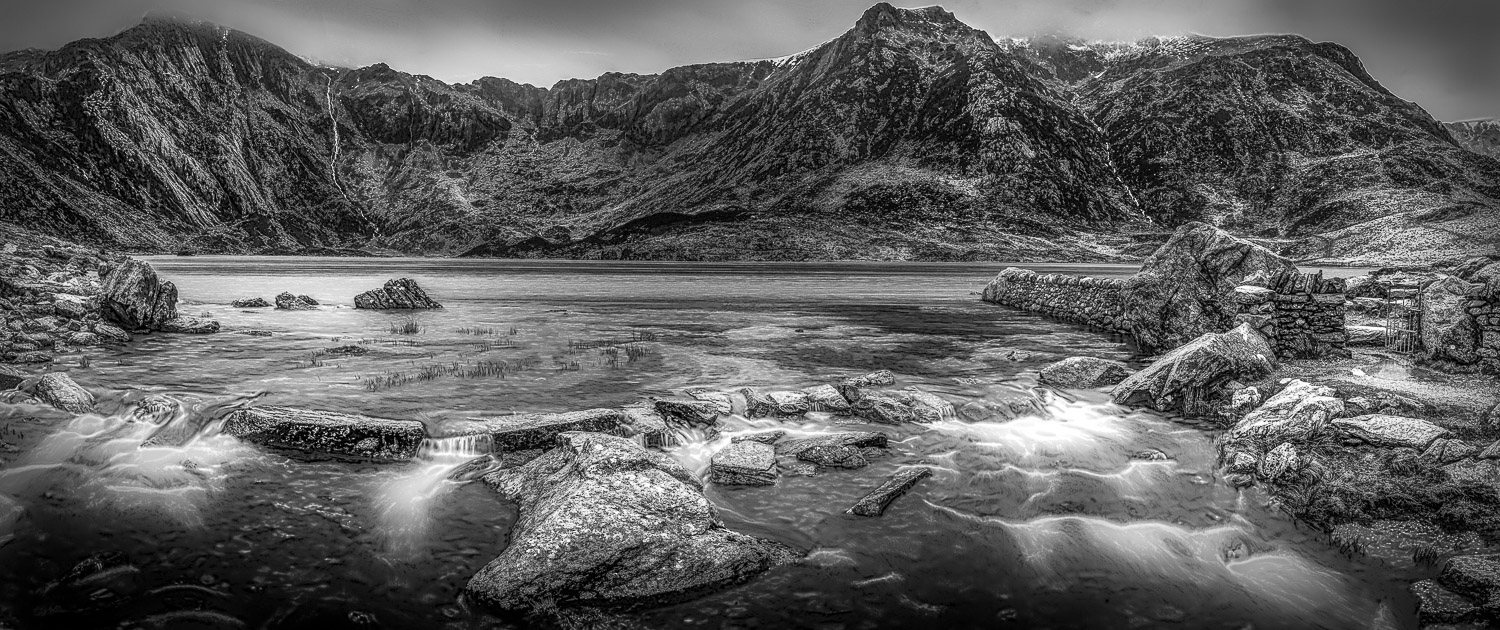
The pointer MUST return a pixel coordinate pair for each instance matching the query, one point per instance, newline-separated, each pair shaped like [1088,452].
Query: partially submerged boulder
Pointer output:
[537,430]
[1197,369]
[59,390]
[603,521]
[328,432]
[1186,289]
[874,503]
[287,302]
[1394,431]
[856,439]
[399,293]
[191,325]
[1084,373]
[250,302]
[744,462]
[134,297]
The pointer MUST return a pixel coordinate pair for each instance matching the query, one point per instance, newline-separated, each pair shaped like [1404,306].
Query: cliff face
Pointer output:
[910,136]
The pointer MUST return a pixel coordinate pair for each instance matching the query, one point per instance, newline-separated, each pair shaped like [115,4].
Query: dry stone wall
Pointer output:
[1302,315]
[1484,309]
[1082,299]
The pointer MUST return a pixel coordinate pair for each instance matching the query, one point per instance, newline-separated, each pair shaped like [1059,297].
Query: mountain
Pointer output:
[910,136]
[1480,136]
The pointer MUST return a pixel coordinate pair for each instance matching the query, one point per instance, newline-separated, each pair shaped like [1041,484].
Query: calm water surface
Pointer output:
[1044,520]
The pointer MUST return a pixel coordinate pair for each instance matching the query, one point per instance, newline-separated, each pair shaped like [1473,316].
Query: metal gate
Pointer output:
[1403,320]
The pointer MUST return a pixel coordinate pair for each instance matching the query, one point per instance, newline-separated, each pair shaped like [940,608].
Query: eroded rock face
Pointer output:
[327,432]
[135,298]
[1084,373]
[1203,364]
[604,521]
[1186,289]
[401,293]
[59,390]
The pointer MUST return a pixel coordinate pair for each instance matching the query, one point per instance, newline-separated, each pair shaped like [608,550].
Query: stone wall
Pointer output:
[1302,316]
[1082,299]
[1483,309]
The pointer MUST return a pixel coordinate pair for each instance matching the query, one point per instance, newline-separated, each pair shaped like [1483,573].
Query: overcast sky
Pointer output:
[1443,54]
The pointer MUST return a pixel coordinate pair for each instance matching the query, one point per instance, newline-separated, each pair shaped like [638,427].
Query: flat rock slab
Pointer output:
[744,463]
[327,432]
[1084,373]
[59,390]
[539,430]
[603,521]
[857,439]
[1395,431]
[874,503]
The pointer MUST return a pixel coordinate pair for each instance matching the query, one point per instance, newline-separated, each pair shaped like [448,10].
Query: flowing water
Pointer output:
[1046,519]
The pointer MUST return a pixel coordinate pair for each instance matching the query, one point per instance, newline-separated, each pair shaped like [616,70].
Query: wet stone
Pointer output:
[858,439]
[59,390]
[768,437]
[744,463]
[875,503]
[688,411]
[834,456]
[327,432]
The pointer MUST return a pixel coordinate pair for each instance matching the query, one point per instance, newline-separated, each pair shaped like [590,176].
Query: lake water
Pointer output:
[1044,520]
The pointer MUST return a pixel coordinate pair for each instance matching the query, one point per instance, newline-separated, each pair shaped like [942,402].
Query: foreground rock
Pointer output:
[1195,372]
[327,432]
[1084,373]
[538,430]
[1397,431]
[1186,288]
[135,298]
[745,462]
[603,521]
[399,293]
[59,390]
[874,503]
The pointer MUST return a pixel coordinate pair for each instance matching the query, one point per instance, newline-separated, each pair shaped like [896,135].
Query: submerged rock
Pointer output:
[834,456]
[538,430]
[192,325]
[744,462]
[59,390]
[1084,373]
[133,296]
[1396,431]
[603,521]
[327,432]
[1198,367]
[398,293]
[874,503]
[344,351]
[287,302]
[251,302]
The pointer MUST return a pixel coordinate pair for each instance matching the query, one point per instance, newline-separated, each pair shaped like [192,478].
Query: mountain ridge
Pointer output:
[910,136]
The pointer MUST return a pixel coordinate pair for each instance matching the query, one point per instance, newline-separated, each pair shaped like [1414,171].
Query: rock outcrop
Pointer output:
[327,432]
[401,293]
[135,298]
[1084,373]
[1194,372]
[603,521]
[1186,288]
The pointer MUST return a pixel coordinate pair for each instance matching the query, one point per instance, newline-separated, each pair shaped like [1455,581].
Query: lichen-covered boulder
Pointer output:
[135,298]
[1084,373]
[603,521]
[398,293]
[1202,365]
[874,503]
[1295,414]
[59,390]
[744,462]
[1186,288]
[1394,431]
[327,432]
[1448,332]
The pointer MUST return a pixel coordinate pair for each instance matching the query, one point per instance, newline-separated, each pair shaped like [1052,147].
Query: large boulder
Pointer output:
[1448,332]
[1394,431]
[1186,288]
[398,293]
[327,432]
[135,298]
[59,390]
[1197,369]
[604,521]
[1084,373]
[1295,414]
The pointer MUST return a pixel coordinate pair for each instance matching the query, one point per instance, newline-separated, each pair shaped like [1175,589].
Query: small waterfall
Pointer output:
[405,502]
[464,447]
[694,447]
